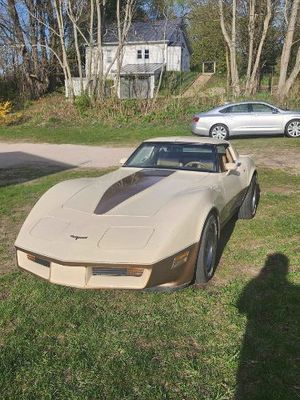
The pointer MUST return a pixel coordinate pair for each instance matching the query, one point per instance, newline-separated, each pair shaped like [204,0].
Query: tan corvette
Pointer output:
[153,223]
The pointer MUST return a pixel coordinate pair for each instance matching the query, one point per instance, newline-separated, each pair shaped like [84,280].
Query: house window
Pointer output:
[139,54]
[108,56]
[147,54]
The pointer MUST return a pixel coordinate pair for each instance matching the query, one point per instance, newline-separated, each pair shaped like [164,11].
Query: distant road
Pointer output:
[17,154]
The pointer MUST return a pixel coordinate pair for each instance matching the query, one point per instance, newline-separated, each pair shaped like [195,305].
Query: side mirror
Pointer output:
[123,161]
[275,111]
[231,166]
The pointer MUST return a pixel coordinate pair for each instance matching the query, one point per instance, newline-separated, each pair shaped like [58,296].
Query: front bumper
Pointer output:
[108,276]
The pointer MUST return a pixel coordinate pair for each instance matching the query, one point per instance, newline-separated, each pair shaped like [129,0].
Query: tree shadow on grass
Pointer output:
[269,367]
[19,167]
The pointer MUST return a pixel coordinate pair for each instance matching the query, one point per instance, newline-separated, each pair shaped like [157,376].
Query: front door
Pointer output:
[266,119]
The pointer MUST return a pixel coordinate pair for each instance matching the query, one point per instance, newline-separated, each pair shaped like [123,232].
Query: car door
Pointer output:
[265,119]
[238,119]
[231,183]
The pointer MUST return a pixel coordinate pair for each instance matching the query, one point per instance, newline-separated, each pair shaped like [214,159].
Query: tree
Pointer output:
[289,71]
[205,34]
[255,57]
[231,42]
[23,37]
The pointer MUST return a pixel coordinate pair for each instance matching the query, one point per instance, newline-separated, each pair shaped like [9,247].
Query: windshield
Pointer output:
[192,157]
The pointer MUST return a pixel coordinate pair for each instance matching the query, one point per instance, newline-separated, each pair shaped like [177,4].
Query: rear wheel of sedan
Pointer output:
[219,131]
[250,202]
[207,253]
[292,129]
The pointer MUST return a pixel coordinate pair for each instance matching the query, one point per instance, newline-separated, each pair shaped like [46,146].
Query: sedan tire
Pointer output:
[207,254]
[250,202]
[219,131]
[292,128]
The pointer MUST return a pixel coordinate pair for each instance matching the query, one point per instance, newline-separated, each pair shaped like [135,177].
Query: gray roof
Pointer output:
[141,69]
[150,31]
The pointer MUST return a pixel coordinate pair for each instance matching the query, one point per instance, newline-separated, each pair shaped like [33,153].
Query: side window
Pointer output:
[226,110]
[147,54]
[139,54]
[224,157]
[261,108]
[229,156]
[238,108]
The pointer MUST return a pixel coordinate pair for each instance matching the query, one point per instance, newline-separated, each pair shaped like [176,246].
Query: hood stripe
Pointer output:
[128,187]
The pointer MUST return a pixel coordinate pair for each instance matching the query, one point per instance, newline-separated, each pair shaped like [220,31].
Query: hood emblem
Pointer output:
[78,237]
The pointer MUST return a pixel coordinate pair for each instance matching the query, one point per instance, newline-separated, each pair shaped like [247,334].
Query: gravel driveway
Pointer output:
[17,154]
[72,155]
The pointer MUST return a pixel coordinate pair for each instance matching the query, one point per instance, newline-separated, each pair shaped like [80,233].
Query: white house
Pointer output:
[150,48]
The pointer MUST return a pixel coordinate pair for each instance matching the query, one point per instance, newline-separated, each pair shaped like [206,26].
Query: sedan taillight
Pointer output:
[195,118]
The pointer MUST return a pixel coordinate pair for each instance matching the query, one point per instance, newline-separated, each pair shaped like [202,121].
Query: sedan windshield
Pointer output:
[183,156]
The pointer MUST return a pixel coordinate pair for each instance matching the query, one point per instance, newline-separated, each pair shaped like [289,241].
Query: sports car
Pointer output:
[246,118]
[153,223]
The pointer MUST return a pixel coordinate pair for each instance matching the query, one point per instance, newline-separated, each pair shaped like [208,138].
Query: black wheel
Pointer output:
[250,202]
[292,128]
[207,253]
[219,131]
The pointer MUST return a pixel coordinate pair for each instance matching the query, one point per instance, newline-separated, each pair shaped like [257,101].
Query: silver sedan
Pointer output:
[246,118]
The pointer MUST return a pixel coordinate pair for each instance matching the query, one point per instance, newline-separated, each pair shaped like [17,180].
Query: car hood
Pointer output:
[135,192]
[128,214]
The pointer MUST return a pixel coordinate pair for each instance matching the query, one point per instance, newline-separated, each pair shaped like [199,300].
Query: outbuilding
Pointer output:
[150,48]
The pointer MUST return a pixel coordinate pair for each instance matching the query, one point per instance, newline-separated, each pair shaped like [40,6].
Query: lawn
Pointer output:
[88,134]
[97,134]
[237,338]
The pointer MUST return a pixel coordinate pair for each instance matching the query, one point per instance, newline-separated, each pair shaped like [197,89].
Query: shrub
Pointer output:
[82,103]
[5,109]
[7,117]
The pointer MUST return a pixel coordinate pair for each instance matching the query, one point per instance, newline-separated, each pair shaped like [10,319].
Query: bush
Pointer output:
[82,103]
[5,109]
[7,117]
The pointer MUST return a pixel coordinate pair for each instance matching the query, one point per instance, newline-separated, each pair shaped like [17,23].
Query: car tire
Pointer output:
[219,131]
[250,203]
[207,253]
[292,129]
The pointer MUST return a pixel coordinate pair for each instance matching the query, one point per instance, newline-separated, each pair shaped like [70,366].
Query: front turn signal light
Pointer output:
[180,259]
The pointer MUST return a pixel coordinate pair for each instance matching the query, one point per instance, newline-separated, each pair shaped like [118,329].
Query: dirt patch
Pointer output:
[277,159]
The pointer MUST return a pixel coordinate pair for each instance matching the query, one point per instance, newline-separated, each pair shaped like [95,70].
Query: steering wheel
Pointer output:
[197,164]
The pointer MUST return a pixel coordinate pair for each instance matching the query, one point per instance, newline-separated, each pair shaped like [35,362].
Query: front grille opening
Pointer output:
[38,260]
[114,271]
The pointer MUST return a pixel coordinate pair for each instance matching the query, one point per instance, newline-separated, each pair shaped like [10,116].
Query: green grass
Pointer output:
[97,134]
[89,134]
[238,338]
